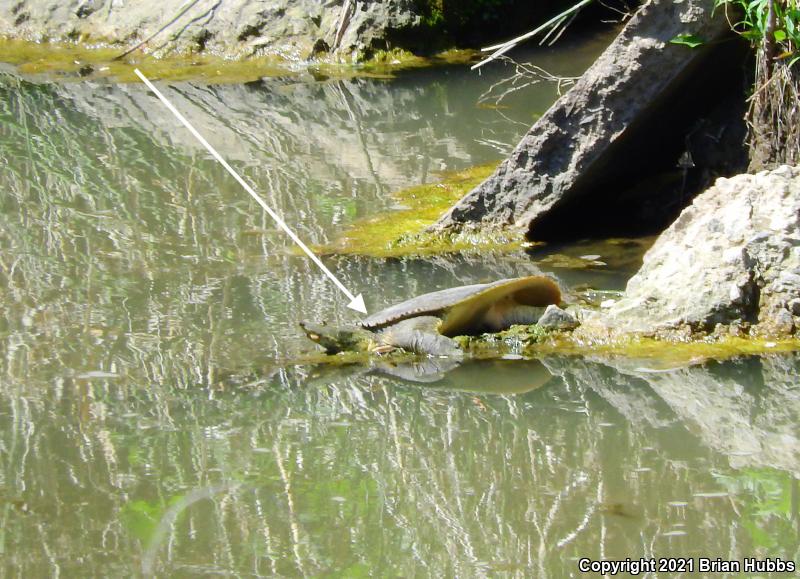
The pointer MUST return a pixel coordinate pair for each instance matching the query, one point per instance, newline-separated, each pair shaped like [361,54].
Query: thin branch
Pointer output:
[159,31]
[524,76]
[344,21]
[500,49]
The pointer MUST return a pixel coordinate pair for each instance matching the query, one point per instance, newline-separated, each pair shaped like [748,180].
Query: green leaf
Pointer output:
[689,40]
[780,35]
[752,35]
[789,22]
[141,518]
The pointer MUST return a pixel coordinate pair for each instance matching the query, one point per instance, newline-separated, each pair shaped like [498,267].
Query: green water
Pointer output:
[148,425]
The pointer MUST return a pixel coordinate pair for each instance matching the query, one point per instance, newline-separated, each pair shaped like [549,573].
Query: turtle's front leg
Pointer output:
[421,335]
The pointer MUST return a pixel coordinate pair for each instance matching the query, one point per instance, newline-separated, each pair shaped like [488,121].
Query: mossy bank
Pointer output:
[71,61]
[403,231]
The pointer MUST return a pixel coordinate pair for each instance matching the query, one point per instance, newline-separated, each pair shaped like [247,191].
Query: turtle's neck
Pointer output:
[506,313]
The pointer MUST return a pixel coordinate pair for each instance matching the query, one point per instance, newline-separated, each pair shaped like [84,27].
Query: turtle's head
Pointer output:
[314,331]
[335,339]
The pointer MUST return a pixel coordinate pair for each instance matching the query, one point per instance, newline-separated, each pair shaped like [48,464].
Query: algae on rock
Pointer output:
[402,231]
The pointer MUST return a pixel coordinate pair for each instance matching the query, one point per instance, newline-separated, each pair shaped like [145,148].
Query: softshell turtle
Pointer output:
[426,324]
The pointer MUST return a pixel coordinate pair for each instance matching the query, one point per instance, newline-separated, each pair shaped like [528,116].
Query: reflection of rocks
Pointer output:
[733,256]
[333,130]
[747,409]
[305,145]
[627,394]
[719,408]
[780,408]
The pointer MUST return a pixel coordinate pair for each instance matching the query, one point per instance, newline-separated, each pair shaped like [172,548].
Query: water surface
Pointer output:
[149,426]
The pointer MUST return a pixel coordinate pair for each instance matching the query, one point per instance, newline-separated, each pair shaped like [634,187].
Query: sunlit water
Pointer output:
[148,424]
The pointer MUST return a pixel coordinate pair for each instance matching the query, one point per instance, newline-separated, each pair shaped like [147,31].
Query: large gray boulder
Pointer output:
[632,108]
[731,258]
[233,28]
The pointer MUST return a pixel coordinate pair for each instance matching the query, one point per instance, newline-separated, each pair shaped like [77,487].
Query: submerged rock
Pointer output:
[731,261]
[554,318]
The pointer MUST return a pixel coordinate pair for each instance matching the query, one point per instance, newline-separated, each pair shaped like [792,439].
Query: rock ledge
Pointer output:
[730,264]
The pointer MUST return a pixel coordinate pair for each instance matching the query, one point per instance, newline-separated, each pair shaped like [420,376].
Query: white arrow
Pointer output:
[356,302]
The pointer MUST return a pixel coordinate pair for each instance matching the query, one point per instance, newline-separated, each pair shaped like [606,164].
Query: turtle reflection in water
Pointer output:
[428,323]
[475,377]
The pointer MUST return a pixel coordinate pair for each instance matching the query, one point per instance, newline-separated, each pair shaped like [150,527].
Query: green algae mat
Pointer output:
[404,231]
[65,61]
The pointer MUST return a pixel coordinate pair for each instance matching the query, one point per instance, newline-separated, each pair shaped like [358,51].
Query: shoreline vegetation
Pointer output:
[772,27]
